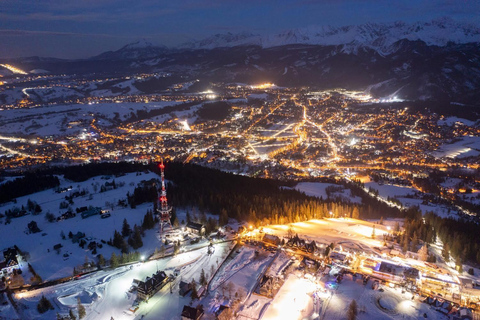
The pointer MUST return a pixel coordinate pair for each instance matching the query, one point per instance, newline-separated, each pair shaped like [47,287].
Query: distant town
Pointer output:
[109,245]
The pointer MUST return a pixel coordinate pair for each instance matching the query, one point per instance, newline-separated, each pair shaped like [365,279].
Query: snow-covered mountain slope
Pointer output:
[141,49]
[377,36]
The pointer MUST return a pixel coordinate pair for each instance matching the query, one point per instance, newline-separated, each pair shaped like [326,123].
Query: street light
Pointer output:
[142,258]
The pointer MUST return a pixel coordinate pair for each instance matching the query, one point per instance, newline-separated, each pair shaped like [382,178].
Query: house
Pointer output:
[91,212]
[389,272]
[223,311]
[185,288]
[9,261]
[151,285]
[297,242]
[271,239]
[337,257]
[196,228]
[310,264]
[190,313]
[66,215]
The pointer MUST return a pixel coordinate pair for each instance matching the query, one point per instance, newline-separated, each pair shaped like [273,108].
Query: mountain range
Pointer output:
[436,60]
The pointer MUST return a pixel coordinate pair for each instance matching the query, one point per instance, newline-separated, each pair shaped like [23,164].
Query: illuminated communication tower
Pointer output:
[165,210]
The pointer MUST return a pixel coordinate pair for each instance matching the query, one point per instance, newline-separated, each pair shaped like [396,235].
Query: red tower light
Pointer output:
[165,210]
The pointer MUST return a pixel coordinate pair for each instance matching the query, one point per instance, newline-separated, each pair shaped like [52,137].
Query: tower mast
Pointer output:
[165,210]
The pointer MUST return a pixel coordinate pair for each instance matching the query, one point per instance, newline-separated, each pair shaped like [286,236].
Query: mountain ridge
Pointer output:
[378,36]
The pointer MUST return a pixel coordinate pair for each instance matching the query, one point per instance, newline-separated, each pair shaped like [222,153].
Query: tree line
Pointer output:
[30,183]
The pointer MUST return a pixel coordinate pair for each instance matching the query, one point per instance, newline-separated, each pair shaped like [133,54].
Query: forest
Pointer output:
[30,183]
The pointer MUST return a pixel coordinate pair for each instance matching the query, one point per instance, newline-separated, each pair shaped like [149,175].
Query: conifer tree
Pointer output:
[352,310]
[113,260]
[203,278]
[194,294]
[126,230]
[81,309]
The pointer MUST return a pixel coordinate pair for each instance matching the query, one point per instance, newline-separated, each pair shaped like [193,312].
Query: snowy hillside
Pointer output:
[71,119]
[52,265]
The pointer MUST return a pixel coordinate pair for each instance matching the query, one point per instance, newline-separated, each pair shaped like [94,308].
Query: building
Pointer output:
[300,244]
[389,272]
[9,261]
[91,212]
[196,228]
[184,288]
[151,285]
[190,313]
[271,239]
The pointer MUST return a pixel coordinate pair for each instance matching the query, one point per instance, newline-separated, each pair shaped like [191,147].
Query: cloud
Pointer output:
[18,32]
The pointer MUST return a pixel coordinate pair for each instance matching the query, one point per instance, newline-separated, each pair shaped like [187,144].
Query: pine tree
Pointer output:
[117,239]
[137,238]
[71,315]
[194,294]
[44,305]
[355,213]
[101,260]
[113,260]
[396,228]
[446,252]
[81,309]
[223,219]
[405,242]
[423,253]
[126,230]
[459,265]
[352,310]
[203,278]
[414,242]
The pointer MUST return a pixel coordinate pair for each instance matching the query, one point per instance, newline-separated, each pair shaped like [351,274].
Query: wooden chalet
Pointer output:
[196,228]
[298,243]
[151,285]
[9,261]
[190,313]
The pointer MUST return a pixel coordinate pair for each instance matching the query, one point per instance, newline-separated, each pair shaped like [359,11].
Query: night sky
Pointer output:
[82,28]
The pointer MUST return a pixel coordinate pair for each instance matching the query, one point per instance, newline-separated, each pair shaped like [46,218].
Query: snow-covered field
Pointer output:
[293,301]
[467,146]
[317,189]
[46,262]
[349,233]
[401,193]
[69,119]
